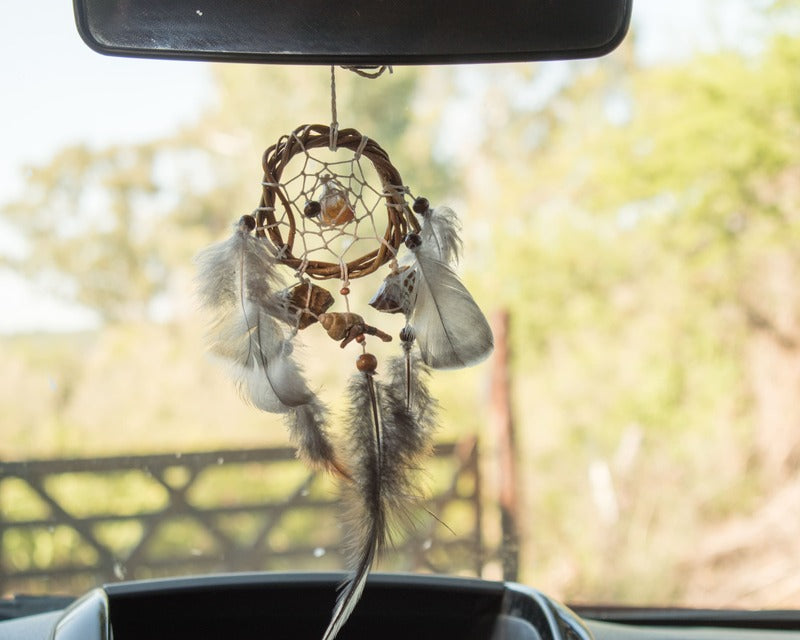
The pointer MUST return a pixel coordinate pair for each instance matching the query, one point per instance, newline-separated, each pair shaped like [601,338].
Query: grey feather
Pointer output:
[388,440]
[236,284]
[364,494]
[452,331]
[238,268]
[441,231]
[308,432]
[414,414]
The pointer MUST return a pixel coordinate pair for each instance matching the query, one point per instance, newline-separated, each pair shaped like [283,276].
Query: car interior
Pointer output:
[367,36]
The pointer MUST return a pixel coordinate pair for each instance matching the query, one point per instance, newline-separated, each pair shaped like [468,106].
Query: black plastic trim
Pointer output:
[299,605]
[387,57]
[784,620]
[20,606]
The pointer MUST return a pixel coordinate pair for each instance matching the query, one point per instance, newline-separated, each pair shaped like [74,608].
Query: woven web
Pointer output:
[304,179]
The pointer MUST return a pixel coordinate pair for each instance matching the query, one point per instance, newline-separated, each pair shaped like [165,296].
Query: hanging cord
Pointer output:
[334,121]
[371,73]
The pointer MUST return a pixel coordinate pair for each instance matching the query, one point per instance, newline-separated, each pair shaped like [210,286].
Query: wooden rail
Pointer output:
[69,524]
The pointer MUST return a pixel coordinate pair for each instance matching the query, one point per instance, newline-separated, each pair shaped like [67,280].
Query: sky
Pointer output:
[62,92]
[57,92]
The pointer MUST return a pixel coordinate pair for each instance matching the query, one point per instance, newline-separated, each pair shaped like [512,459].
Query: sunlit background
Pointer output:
[637,218]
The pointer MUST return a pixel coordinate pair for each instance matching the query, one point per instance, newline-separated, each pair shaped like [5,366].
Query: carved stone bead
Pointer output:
[309,300]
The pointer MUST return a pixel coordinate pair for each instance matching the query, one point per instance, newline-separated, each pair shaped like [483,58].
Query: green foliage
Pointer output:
[647,262]
[84,217]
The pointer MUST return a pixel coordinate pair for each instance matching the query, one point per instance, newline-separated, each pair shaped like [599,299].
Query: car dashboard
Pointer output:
[298,605]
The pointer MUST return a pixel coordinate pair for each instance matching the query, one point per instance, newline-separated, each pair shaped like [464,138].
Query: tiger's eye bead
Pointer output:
[367,363]
[336,210]
[413,240]
[344,291]
[312,209]
[421,205]
[248,222]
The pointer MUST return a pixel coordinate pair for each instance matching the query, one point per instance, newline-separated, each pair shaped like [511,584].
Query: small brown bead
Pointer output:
[344,291]
[360,339]
[413,241]
[367,363]
[312,209]
[421,205]
[248,222]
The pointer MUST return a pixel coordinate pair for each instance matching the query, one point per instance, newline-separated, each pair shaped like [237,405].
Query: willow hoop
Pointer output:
[400,219]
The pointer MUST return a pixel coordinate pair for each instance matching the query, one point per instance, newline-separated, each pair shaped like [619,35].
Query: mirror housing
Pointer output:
[354,32]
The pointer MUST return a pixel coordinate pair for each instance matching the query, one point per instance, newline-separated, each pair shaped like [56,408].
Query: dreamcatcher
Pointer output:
[322,218]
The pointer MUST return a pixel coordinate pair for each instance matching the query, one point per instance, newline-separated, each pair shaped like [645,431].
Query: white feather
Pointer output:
[235,283]
[451,330]
[235,269]
[253,384]
[440,233]
[268,376]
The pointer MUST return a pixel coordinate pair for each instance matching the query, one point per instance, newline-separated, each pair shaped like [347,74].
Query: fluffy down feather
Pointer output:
[441,233]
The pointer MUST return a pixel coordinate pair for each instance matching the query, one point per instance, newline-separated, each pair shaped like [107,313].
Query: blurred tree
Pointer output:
[644,231]
[112,228]
[87,221]
[710,163]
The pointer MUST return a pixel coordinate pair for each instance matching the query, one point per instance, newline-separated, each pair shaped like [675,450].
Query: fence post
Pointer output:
[502,425]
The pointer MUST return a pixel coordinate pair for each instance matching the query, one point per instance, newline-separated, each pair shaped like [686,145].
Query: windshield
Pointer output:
[630,230]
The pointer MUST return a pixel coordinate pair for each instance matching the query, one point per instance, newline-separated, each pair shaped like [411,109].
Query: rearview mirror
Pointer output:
[354,32]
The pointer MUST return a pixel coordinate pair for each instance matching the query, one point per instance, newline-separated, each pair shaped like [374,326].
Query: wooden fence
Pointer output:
[69,524]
